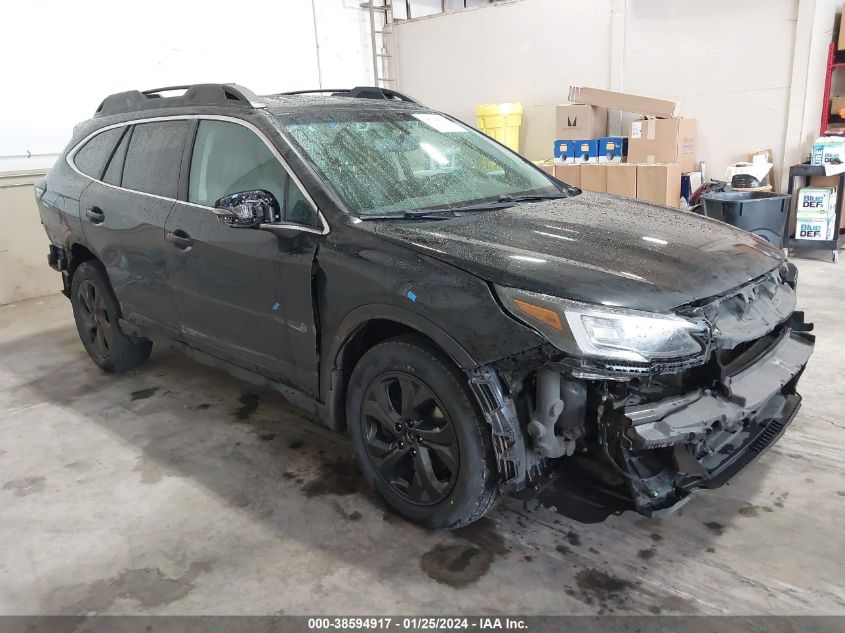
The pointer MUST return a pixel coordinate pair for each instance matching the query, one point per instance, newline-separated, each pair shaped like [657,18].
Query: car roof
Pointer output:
[195,96]
[279,104]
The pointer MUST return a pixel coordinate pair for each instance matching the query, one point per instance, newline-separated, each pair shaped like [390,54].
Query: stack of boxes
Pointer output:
[647,164]
[816,214]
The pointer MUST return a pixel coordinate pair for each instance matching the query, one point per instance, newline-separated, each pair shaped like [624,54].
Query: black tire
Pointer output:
[445,437]
[96,312]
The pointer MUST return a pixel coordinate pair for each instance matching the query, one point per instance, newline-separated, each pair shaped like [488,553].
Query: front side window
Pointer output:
[387,163]
[154,157]
[91,158]
[229,158]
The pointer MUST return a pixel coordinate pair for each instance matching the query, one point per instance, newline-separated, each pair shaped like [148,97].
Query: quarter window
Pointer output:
[115,169]
[154,157]
[91,158]
[297,209]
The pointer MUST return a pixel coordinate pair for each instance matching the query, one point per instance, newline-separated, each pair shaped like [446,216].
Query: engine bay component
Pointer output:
[547,410]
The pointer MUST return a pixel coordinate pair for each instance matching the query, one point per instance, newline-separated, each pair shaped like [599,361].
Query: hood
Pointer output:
[595,248]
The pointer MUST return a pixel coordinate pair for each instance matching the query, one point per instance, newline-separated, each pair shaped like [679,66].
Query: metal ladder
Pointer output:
[381,15]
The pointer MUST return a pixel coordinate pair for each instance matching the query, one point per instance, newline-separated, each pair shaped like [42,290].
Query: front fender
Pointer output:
[361,315]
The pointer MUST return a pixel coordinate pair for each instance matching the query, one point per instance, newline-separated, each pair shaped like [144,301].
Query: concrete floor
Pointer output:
[177,490]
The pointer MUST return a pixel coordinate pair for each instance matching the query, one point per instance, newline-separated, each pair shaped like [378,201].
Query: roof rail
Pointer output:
[360,92]
[196,94]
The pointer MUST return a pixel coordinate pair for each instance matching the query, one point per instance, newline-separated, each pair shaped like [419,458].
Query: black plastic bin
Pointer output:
[760,212]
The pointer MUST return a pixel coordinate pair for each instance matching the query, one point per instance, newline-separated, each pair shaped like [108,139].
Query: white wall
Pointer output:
[524,51]
[24,272]
[61,57]
[730,64]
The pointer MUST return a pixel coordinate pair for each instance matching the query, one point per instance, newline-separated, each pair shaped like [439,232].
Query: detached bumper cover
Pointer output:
[709,436]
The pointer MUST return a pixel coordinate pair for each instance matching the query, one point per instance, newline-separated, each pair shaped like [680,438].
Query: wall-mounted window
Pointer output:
[404,9]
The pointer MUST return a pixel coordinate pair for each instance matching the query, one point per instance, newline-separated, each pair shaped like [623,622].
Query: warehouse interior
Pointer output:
[179,489]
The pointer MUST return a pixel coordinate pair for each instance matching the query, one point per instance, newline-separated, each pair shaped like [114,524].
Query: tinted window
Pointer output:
[115,169]
[91,159]
[154,156]
[229,158]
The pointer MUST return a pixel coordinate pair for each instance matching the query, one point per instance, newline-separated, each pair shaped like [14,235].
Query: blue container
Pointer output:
[612,149]
[564,151]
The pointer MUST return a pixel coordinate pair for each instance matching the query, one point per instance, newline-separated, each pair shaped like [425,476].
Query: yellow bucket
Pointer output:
[501,121]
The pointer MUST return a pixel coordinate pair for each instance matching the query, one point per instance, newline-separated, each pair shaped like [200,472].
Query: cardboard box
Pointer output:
[587,151]
[564,151]
[692,181]
[664,141]
[828,150]
[816,213]
[821,181]
[836,104]
[612,149]
[547,166]
[594,177]
[570,174]
[575,121]
[624,101]
[622,179]
[659,183]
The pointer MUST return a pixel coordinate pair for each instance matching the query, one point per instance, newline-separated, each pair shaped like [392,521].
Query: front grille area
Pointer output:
[772,430]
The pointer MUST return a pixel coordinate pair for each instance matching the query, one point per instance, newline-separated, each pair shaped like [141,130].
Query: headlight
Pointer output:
[604,332]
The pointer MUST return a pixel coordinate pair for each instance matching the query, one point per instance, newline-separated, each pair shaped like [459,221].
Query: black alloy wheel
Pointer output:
[95,322]
[97,313]
[410,438]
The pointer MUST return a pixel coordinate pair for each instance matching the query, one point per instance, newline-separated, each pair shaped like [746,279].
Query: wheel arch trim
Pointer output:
[352,323]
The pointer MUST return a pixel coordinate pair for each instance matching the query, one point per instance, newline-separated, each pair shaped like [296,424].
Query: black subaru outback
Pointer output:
[475,326]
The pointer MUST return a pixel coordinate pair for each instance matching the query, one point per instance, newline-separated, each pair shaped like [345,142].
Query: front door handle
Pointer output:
[95,215]
[181,239]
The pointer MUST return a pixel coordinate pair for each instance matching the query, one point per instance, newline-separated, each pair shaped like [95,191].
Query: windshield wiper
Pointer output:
[505,201]
[418,214]
[485,206]
[533,198]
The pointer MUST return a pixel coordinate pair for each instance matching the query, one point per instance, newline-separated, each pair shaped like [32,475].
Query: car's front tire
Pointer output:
[96,312]
[419,437]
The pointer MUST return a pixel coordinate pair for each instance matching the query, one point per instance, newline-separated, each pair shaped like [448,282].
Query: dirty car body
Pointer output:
[637,352]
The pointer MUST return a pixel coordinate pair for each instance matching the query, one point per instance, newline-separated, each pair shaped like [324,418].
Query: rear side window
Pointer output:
[91,158]
[115,169]
[229,158]
[154,157]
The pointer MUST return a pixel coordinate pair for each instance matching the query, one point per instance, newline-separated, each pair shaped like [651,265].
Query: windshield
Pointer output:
[384,163]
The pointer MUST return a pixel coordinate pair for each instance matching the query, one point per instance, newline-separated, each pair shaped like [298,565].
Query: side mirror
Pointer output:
[248,209]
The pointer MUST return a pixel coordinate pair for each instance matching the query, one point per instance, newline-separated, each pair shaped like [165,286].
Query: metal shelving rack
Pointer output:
[834,61]
[789,241]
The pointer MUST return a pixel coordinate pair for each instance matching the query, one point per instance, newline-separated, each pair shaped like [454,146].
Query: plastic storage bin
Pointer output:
[501,121]
[759,212]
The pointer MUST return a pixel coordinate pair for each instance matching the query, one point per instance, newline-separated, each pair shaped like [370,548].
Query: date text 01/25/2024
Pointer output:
[416,623]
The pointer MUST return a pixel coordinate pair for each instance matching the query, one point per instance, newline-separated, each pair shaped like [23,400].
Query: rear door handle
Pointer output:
[181,239]
[95,215]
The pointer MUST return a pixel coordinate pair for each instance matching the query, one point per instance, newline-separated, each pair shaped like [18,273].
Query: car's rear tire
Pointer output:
[96,312]
[420,439]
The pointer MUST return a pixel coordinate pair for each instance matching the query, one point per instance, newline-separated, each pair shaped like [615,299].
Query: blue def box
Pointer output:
[612,149]
[587,151]
[564,151]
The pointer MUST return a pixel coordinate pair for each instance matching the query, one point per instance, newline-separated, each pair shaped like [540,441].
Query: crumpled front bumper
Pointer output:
[703,438]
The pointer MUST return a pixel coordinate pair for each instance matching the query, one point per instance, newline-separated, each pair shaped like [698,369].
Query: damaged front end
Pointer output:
[638,421]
